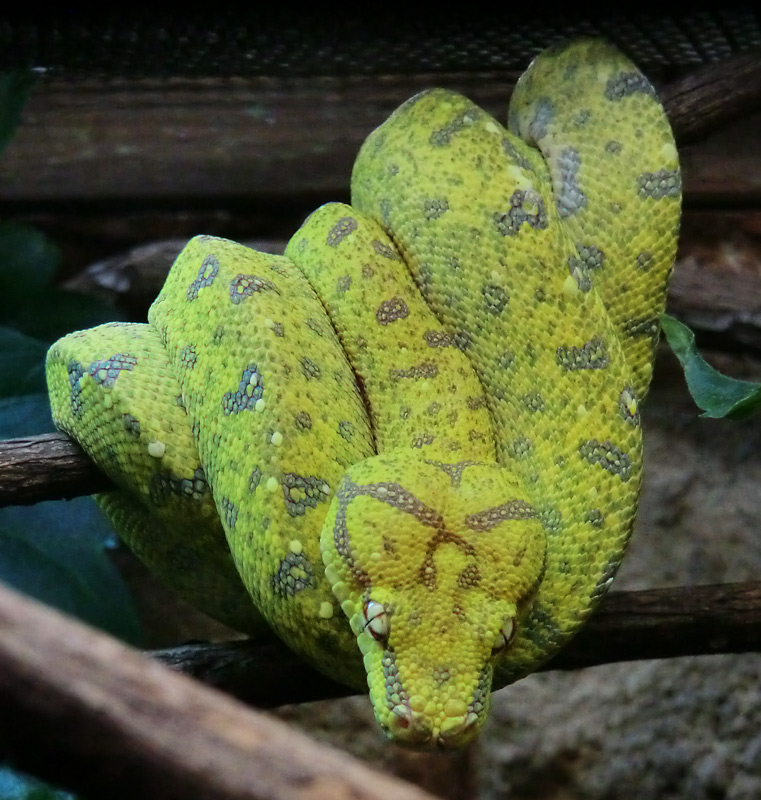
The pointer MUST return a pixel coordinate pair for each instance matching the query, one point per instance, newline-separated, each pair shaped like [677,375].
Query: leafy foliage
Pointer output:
[14,90]
[715,394]
[56,552]
[18,786]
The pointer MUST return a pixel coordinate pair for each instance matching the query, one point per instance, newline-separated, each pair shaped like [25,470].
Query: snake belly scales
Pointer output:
[414,439]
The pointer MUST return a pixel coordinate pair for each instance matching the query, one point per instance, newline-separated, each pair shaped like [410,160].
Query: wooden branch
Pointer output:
[82,710]
[47,467]
[184,141]
[629,626]
[713,96]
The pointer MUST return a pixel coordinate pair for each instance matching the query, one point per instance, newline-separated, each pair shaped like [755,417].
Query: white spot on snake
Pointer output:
[570,287]
[156,449]
[260,405]
[295,546]
[326,610]
[272,484]
[515,175]
[277,438]
[628,406]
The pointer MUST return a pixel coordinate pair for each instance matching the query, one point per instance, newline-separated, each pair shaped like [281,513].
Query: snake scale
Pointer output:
[414,439]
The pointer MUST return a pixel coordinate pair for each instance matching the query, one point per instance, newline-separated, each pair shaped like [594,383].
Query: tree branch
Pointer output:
[629,626]
[47,467]
[82,710]
[713,96]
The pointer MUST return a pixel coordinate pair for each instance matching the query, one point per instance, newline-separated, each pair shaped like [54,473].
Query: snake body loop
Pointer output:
[416,436]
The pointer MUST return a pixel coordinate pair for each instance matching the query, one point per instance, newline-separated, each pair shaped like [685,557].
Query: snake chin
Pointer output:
[419,732]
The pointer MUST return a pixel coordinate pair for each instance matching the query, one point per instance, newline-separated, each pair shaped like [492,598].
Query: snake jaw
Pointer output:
[411,723]
[404,725]
[416,730]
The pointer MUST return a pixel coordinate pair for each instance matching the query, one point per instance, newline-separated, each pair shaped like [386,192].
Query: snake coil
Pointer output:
[412,444]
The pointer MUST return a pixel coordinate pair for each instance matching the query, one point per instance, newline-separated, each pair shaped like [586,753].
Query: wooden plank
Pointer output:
[274,140]
[259,139]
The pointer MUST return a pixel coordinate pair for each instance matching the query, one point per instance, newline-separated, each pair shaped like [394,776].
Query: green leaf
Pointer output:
[30,260]
[28,299]
[715,394]
[14,90]
[55,312]
[25,415]
[22,363]
[30,257]
[57,553]
[19,786]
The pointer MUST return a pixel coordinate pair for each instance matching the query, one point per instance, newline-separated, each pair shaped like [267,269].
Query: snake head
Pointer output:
[433,563]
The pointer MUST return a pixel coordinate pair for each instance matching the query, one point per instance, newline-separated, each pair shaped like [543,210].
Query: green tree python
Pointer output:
[411,445]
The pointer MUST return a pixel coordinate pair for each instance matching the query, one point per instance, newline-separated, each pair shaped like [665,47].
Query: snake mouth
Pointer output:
[415,730]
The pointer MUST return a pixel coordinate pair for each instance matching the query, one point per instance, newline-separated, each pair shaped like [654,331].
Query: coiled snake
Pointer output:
[418,430]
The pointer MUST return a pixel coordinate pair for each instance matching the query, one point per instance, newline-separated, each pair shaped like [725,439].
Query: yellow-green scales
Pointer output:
[418,431]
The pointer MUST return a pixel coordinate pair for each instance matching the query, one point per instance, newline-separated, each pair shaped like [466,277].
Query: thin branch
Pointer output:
[46,467]
[629,626]
[82,710]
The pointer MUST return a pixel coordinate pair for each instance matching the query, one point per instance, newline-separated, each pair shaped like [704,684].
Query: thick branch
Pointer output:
[138,142]
[83,710]
[713,96]
[659,623]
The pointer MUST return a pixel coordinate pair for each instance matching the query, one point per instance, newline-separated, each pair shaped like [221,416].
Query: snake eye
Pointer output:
[375,620]
[505,635]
